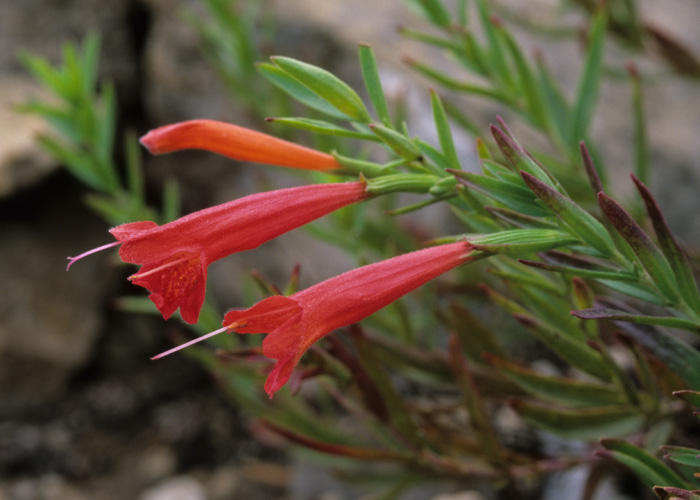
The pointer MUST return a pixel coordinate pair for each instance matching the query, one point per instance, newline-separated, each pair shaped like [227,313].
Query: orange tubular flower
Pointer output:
[296,322]
[236,142]
[175,256]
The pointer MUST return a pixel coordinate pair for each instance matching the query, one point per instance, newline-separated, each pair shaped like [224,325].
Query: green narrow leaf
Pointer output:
[641,147]
[479,421]
[681,358]
[520,158]
[681,455]
[434,11]
[581,423]
[107,121]
[554,103]
[687,287]
[43,72]
[581,223]
[322,127]
[298,91]
[589,82]
[556,389]
[584,273]
[432,154]
[569,348]
[171,201]
[496,56]
[513,196]
[399,415]
[368,62]
[461,86]
[591,172]
[402,145]
[326,85]
[649,469]
[474,336]
[636,290]
[649,255]
[77,163]
[90,63]
[527,84]
[615,314]
[134,173]
[443,129]
[353,166]
[692,397]
[519,219]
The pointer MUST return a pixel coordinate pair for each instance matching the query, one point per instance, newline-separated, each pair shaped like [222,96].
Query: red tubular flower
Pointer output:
[175,256]
[294,323]
[236,142]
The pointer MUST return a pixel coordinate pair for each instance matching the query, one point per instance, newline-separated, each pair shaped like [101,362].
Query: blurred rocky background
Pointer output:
[84,414]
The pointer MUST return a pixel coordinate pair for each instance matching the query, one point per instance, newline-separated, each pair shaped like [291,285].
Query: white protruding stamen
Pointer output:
[194,341]
[90,252]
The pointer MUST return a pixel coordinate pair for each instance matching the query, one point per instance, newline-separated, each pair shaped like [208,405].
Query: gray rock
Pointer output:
[22,162]
[49,319]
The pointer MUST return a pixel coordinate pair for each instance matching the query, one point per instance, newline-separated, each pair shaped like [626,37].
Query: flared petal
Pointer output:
[179,281]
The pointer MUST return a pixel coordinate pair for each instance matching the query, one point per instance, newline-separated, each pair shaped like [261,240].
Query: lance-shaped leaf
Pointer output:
[342,450]
[434,11]
[520,241]
[497,64]
[569,348]
[671,493]
[581,423]
[520,158]
[650,470]
[513,196]
[676,54]
[682,271]
[557,389]
[399,415]
[458,85]
[529,87]
[370,73]
[581,223]
[617,315]
[649,255]
[692,397]
[402,145]
[519,219]
[322,127]
[589,82]
[591,171]
[681,358]
[478,417]
[600,273]
[474,336]
[325,85]
[641,147]
[443,129]
[298,91]
[682,455]
[371,397]
[555,104]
